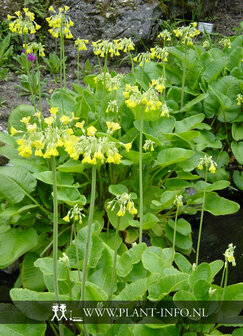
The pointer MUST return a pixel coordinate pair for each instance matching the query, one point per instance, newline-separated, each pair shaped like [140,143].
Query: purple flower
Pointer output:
[31,57]
[23,51]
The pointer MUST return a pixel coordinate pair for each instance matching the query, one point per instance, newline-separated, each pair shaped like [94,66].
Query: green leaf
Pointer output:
[14,243]
[144,330]
[103,271]
[183,295]
[71,196]
[172,155]
[213,69]
[117,189]
[182,242]
[189,123]
[216,266]
[26,328]
[156,259]
[238,179]
[182,226]
[218,185]
[217,205]
[46,267]
[237,149]
[201,272]
[71,166]
[165,285]
[194,101]
[237,131]
[17,114]
[176,184]
[150,220]
[120,330]
[64,100]
[133,291]
[17,183]
[94,292]
[129,258]
[182,263]
[63,179]
[96,248]
[31,277]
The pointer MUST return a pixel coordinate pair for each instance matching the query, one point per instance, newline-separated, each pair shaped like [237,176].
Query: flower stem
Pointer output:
[141,178]
[183,79]
[225,279]
[90,220]
[76,249]
[39,83]
[202,213]
[78,67]
[114,261]
[55,235]
[28,73]
[174,236]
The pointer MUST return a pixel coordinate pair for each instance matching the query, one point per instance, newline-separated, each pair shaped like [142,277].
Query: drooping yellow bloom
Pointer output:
[53,110]
[65,119]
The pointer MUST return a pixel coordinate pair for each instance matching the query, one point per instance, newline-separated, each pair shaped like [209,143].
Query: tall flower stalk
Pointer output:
[178,202]
[124,202]
[210,166]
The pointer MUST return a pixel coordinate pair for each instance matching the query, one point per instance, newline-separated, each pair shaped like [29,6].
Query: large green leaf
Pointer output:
[64,100]
[14,243]
[189,123]
[237,149]
[217,205]
[237,131]
[156,259]
[17,114]
[63,179]
[133,291]
[18,182]
[165,285]
[238,179]
[169,156]
[213,69]
[96,247]
[129,258]
[31,277]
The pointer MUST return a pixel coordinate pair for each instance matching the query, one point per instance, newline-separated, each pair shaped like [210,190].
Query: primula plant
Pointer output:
[96,199]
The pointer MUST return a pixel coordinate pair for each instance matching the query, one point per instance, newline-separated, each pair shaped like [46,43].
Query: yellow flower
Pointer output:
[128,146]
[38,152]
[49,120]
[38,115]
[25,120]
[13,131]
[64,119]
[53,110]
[51,9]
[120,213]
[133,211]
[66,218]
[212,168]
[200,166]
[91,131]
[80,124]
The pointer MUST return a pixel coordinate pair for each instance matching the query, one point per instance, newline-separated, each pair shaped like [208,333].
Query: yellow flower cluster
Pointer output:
[187,33]
[104,47]
[178,201]
[160,53]
[34,47]
[229,254]
[111,83]
[23,23]
[149,145]
[59,22]
[239,99]
[143,58]
[81,44]
[74,214]
[124,202]
[57,133]
[149,98]
[165,35]
[206,44]
[159,84]
[112,107]
[208,162]
[225,42]
[112,127]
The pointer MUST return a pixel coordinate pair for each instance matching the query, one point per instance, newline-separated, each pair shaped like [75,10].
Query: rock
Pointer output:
[106,19]
[9,7]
